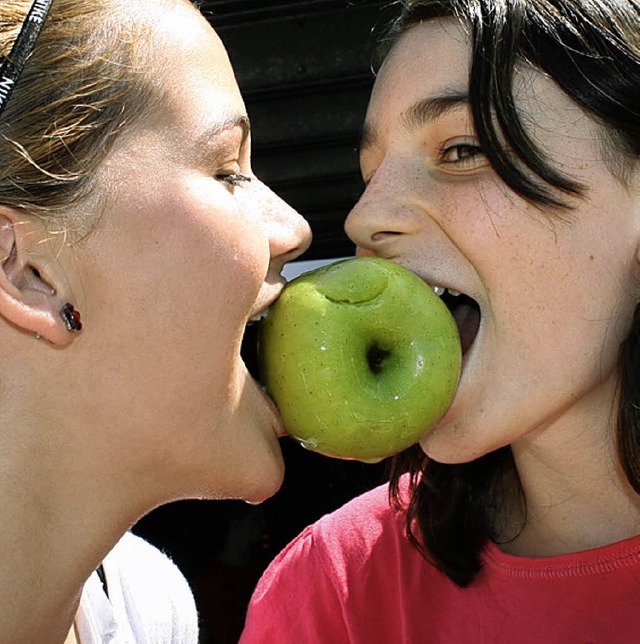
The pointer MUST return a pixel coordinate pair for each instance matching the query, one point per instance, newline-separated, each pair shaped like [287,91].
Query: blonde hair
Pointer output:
[84,83]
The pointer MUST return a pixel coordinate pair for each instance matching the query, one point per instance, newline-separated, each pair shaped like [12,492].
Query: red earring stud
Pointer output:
[71,318]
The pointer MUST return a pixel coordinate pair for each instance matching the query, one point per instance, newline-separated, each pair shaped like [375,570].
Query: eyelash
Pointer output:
[462,148]
[234,180]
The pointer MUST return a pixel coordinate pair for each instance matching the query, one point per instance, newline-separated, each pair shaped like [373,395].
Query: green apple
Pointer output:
[361,358]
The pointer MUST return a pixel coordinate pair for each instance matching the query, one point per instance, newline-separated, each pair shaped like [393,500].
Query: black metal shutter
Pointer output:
[304,68]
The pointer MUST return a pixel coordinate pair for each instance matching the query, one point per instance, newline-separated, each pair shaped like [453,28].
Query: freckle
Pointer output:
[591,257]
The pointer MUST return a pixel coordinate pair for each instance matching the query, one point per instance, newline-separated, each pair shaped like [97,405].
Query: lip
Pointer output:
[261,309]
[278,426]
[258,317]
[439,283]
[250,359]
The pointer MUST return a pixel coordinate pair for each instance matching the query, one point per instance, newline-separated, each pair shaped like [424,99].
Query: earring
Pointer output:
[71,318]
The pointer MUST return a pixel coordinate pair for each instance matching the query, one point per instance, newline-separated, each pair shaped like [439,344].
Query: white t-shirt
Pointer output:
[149,600]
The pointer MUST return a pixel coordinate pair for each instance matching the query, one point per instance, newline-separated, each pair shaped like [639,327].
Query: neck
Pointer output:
[68,491]
[577,496]
[56,531]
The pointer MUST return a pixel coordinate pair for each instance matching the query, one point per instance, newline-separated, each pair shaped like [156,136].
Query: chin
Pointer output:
[245,465]
[253,483]
[260,470]
[267,482]
[445,449]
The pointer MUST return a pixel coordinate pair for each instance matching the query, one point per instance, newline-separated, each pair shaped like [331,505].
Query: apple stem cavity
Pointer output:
[376,356]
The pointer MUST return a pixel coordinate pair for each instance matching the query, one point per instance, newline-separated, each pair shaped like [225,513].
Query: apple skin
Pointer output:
[361,358]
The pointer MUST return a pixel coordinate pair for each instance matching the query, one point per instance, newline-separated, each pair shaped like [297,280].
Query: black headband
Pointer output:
[11,66]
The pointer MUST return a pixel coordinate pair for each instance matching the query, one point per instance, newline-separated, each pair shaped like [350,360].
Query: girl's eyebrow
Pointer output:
[229,123]
[434,108]
[421,112]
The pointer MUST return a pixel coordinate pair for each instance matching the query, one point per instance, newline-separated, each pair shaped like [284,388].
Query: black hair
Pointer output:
[591,49]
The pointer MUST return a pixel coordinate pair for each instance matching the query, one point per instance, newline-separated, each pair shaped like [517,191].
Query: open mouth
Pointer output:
[249,350]
[466,313]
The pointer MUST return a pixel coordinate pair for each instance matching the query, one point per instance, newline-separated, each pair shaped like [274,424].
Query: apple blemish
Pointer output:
[361,358]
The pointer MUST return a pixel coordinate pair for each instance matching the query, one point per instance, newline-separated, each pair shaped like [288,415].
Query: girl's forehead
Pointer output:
[442,40]
[431,60]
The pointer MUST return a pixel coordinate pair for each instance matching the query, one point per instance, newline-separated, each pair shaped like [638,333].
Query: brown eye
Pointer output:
[463,153]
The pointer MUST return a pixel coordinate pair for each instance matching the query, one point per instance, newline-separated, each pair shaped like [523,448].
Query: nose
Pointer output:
[384,213]
[288,232]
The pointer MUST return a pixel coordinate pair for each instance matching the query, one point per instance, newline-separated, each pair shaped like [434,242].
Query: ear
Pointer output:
[29,296]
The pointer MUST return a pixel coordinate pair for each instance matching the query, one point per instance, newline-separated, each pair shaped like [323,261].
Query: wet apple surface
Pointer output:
[361,358]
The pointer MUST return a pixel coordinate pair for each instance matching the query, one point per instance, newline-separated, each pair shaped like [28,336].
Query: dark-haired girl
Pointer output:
[500,155]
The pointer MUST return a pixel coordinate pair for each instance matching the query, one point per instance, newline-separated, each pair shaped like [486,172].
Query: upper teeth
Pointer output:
[439,291]
[259,316]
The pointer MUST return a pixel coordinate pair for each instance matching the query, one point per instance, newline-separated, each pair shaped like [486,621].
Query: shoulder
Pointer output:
[345,538]
[146,586]
[365,524]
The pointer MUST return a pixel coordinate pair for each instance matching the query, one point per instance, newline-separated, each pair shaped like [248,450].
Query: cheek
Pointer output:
[221,247]
[191,273]
[227,282]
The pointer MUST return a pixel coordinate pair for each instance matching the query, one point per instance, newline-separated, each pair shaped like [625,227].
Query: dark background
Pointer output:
[304,68]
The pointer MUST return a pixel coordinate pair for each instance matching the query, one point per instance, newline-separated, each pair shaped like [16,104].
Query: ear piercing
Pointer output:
[71,318]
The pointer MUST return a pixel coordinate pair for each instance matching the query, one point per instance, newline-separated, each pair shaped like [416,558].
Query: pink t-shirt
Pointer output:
[354,578]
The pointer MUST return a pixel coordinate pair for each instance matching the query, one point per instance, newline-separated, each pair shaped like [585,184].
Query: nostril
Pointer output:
[303,239]
[289,236]
[382,219]
[292,252]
